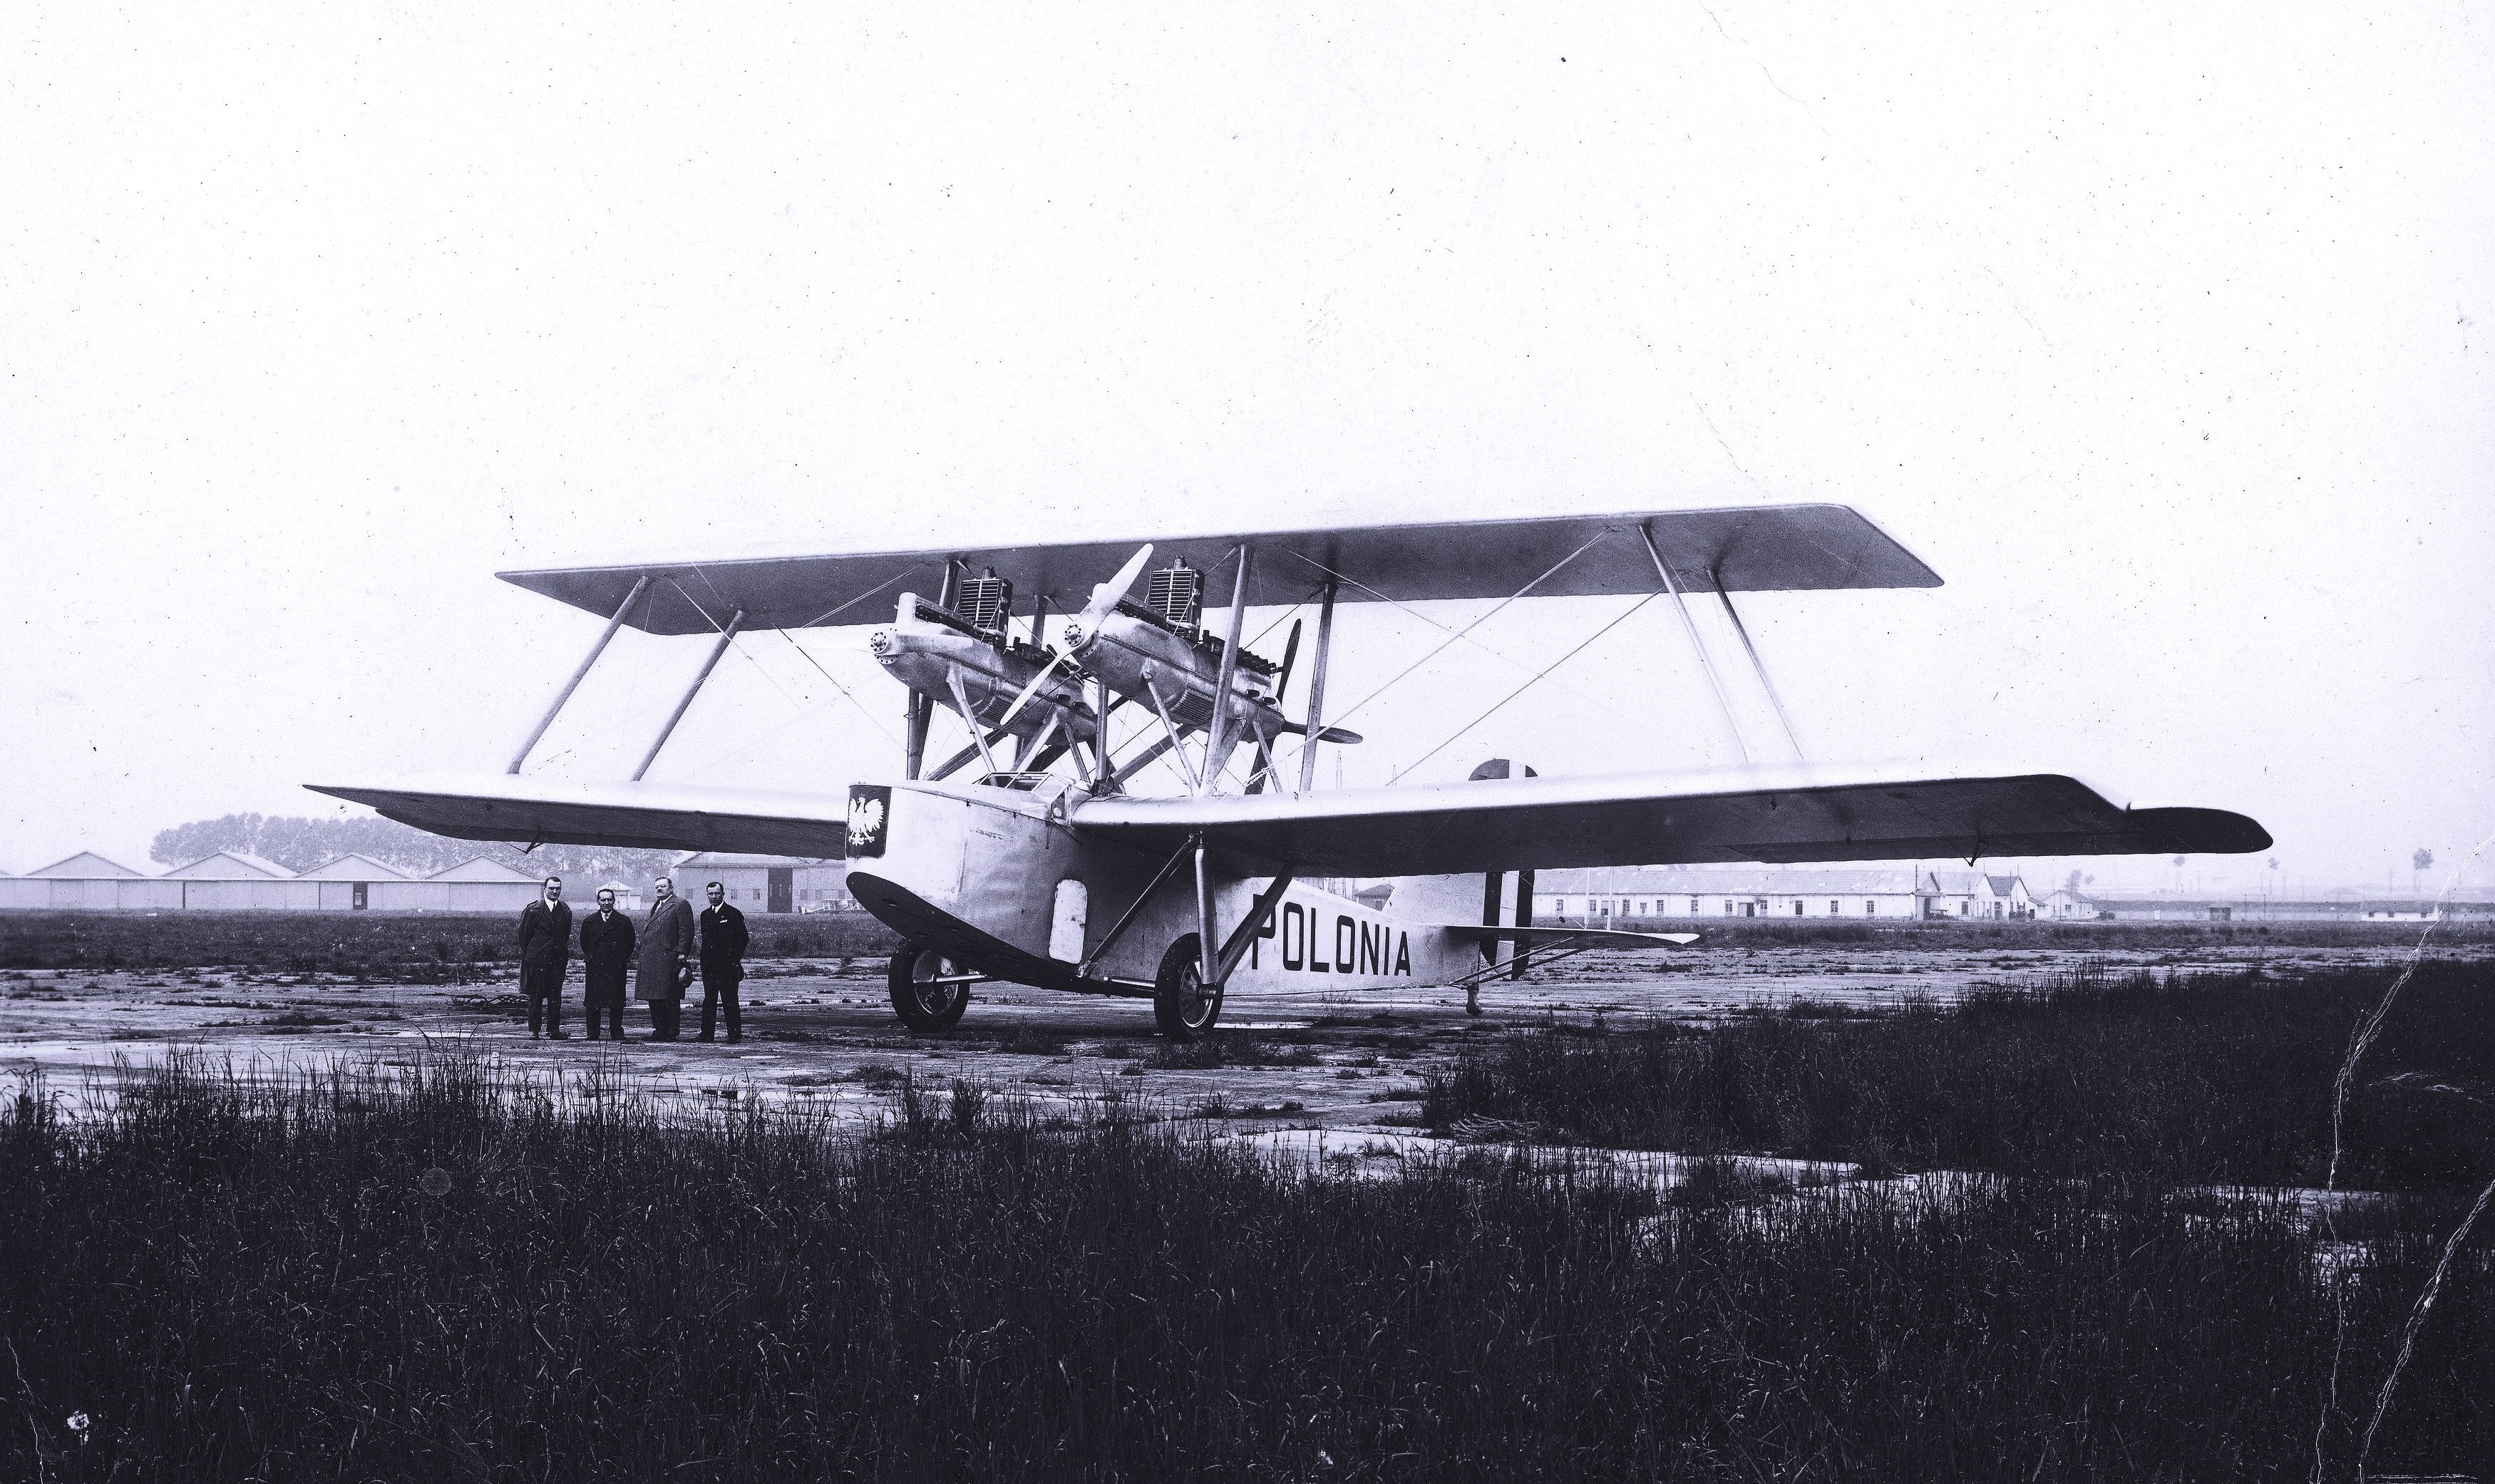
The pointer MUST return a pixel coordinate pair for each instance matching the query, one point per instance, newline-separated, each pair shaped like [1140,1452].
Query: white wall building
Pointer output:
[231,881]
[1655,892]
[767,883]
[1644,893]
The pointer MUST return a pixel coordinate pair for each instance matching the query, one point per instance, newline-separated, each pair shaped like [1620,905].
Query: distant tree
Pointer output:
[186,843]
[2420,861]
[299,843]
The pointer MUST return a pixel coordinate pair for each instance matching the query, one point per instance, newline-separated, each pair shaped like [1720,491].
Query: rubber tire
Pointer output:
[1183,1012]
[912,1004]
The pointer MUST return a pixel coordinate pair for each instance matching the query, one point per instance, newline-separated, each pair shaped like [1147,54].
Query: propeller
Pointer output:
[1104,597]
[1104,601]
[1290,652]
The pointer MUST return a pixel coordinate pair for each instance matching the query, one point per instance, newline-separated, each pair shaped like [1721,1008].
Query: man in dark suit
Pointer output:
[722,962]
[606,953]
[545,950]
[663,959]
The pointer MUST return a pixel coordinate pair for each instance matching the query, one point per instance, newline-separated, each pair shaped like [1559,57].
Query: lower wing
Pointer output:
[501,806]
[1790,814]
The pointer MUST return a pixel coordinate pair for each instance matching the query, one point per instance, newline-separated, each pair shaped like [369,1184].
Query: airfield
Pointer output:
[821,1033]
[2044,1198]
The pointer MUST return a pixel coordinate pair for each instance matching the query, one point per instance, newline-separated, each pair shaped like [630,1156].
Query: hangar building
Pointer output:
[1901,893]
[767,883]
[229,880]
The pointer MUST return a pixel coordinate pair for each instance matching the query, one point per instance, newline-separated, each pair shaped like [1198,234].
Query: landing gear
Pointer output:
[928,991]
[1183,1004]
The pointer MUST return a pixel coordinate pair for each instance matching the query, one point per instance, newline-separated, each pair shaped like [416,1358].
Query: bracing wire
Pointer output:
[1348,712]
[1504,659]
[1521,689]
[802,709]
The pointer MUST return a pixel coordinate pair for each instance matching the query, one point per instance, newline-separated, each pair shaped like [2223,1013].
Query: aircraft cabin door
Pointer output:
[780,886]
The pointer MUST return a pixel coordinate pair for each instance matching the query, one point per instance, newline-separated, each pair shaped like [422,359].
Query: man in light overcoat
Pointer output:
[664,959]
[545,950]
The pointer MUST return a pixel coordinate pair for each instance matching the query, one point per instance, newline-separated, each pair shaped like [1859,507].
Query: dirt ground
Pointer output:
[822,1034]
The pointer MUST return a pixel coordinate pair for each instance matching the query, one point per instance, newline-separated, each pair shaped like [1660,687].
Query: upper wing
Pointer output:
[1790,814]
[1762,548]
[502,806]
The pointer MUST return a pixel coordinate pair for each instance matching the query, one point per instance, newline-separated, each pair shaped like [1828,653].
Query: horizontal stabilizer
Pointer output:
[537,810]
[1797,813]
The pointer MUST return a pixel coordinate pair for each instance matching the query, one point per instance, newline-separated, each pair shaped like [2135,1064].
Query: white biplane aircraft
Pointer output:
[1043,868]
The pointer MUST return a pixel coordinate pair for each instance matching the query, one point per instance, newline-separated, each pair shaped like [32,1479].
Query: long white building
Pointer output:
[229,880]
[1895,894]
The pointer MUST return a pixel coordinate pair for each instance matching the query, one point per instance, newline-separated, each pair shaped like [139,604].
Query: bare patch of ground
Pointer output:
[821,1032]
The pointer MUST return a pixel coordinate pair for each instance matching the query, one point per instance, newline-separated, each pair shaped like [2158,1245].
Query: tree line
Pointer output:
[299,843]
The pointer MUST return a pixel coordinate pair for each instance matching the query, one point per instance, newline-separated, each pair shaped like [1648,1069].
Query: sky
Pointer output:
[2165,338]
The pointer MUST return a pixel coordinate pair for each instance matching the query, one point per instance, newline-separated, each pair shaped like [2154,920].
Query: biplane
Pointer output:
[1133,807]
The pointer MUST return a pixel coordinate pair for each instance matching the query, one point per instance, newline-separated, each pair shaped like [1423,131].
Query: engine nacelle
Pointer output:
[925,653]
[1140,659]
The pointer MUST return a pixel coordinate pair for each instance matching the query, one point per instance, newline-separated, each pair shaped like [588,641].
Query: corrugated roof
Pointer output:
[231,866]
[87,865]
[355,868]
[481,868]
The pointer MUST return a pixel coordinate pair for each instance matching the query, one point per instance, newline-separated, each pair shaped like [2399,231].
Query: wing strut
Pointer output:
[971,714]
[1715,575]
[640,584]
[1689,625]
[726,637]
[1169,734]
[1118,929]
[922,708]
[1218,743]
[1253,924]
[1316,688]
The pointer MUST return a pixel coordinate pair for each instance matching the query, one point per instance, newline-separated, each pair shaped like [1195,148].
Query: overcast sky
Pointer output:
[2165,338]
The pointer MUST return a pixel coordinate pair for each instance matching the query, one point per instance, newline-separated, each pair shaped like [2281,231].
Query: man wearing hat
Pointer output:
[664,959]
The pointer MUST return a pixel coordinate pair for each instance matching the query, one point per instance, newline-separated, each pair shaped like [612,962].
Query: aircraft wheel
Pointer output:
[923,1003]
[1185,1007]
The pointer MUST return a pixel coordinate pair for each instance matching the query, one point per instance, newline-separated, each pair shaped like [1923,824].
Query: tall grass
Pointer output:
[445,1273]
[2207,1077]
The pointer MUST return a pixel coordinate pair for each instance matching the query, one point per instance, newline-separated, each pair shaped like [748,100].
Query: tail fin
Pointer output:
[1494,884]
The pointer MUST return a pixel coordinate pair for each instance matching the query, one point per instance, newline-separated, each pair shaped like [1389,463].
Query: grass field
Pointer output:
[2210,1077]
[362,1270]
[436,1273]
[430,948]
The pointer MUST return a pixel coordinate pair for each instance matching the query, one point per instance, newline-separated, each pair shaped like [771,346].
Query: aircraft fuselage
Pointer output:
[997,880]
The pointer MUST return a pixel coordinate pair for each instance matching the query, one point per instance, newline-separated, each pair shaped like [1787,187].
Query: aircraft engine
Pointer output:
[1156,653]
[928,649]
